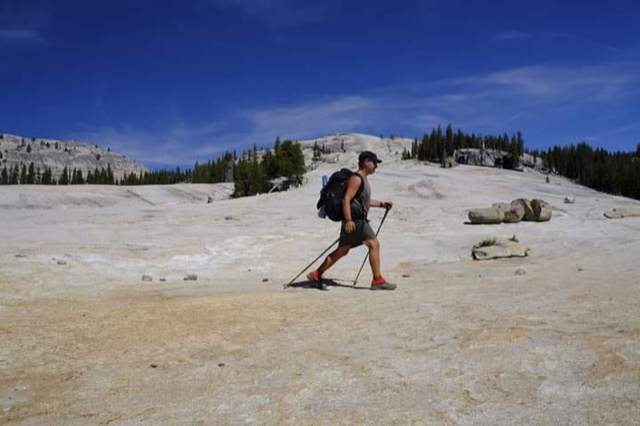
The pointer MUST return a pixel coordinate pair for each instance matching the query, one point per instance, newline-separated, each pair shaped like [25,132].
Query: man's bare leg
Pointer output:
[374,257]
[333,257]
[378,282]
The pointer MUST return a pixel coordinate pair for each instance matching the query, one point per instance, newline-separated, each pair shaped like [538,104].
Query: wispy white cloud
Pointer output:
[181,142]
[512,35]
[427,120]
[342,114]
[547,36]
[22,23]
[166,145]
[570,99]
[527,98]
[20,36]
[277,13]
[613,132]
[601,82]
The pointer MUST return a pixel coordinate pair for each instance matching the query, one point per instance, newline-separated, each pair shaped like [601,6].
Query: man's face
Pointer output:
[371,166]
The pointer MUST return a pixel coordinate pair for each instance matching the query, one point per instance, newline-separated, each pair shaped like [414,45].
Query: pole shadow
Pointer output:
[324,285]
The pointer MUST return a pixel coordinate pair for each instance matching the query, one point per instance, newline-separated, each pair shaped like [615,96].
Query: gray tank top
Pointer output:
[360,205]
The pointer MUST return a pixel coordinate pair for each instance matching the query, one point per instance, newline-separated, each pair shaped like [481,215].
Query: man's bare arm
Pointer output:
[383,204]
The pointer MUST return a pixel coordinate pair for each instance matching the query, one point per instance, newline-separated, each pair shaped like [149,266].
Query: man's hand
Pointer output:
[386,205]
[349,227]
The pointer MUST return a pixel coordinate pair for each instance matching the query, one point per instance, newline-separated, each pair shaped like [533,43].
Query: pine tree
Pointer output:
[14,175]
[520,143]
[103,177]
[241,179]
[298,166]
[316,151]
[23,175]
[267,164]
[4,177]
[109,175]
[64,177]
[47,177]
[77,178]
[448,141]
[31,175]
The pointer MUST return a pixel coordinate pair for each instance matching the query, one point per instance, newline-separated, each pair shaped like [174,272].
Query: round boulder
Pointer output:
[486,216]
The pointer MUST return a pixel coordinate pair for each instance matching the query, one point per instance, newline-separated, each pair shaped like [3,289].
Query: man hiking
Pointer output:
[355,225]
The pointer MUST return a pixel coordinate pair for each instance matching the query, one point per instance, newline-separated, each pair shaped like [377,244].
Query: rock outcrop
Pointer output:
[622,212]
[495,158]
[499,248]
[55,155]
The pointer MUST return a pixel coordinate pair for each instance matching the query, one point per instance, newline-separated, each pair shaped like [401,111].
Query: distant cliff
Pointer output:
[56,155]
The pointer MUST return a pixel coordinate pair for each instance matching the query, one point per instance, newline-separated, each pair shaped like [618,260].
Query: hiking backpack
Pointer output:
[332,194]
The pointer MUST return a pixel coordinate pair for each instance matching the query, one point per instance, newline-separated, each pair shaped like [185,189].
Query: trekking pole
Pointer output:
[314,261]
[367,256]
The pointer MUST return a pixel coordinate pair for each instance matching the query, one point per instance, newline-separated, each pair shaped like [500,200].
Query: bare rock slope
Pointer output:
[550,339]
[56,155]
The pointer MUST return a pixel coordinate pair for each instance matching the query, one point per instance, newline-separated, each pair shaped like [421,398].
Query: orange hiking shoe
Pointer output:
[382,284]
[316,278]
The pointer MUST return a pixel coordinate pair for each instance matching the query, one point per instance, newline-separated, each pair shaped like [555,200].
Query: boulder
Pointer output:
[542,210]
[513,213]
[486,216]
[517,209]
[499,249]
[448,163]
[480,157]
[529,214]
[502,206]
[511,216]
[622,212]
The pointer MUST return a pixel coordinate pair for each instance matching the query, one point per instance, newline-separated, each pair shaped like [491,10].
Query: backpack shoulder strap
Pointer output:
[361,187]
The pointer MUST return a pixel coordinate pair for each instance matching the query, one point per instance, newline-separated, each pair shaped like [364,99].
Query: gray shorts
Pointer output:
[362,233]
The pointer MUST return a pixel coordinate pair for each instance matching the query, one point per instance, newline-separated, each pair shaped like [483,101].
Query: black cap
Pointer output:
[368,155]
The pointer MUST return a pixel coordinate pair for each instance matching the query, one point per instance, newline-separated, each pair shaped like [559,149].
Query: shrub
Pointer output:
[488,242]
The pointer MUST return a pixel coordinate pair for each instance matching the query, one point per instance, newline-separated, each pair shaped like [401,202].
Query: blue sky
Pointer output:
[169,82]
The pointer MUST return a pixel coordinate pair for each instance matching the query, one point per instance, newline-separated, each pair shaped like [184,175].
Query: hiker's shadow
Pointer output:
[326,284]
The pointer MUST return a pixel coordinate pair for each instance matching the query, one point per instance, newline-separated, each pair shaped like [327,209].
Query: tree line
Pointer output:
[32,175]
[438,145]
[252,173]
[612,172]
